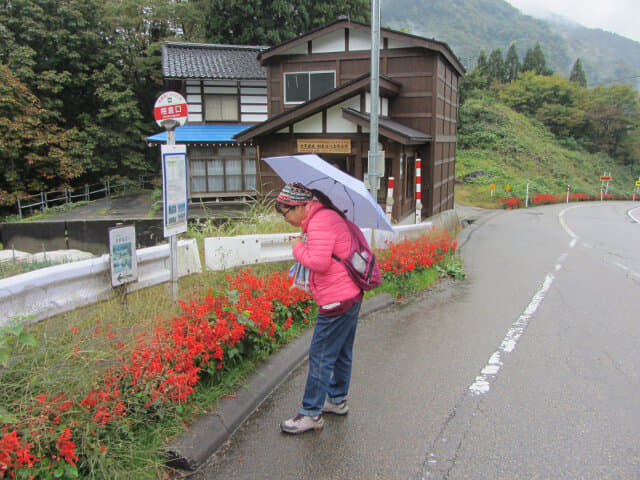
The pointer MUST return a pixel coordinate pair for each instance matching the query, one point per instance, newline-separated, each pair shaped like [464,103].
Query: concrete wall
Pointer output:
[86,235]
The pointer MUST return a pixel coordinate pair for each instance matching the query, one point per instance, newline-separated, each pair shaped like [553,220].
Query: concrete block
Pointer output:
[221,253]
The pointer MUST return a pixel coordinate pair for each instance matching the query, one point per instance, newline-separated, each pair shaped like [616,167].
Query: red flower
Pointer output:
[66,447]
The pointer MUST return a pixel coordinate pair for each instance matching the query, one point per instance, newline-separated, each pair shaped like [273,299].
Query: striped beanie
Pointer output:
[295,194]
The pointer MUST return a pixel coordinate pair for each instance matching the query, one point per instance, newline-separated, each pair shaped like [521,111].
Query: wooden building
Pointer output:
[226,92]
[318,98]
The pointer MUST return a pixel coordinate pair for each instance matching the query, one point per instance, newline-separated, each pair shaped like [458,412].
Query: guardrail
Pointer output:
[33,296]
[221,253]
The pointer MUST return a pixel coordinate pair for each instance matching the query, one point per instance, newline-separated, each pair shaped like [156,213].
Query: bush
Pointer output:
[512,202]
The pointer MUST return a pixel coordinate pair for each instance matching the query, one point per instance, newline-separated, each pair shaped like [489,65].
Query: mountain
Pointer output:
[468,26]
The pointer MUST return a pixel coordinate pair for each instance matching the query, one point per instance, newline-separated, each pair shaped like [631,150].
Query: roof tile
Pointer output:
[201,60]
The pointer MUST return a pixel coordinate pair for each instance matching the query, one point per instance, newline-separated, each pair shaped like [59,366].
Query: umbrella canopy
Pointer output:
[346,192]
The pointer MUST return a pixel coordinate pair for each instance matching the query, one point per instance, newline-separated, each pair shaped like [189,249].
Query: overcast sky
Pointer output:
[618,16]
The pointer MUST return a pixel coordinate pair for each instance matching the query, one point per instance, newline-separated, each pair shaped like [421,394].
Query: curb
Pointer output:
[210,431]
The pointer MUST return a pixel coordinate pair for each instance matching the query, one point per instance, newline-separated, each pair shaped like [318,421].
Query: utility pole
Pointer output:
[375,99]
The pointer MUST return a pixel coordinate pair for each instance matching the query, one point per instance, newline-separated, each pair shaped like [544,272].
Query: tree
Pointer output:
[35,153]
[270,22]
[577,74]
[539,96]
[85,72]
[512,64]
[482,65]
[534,61]
[611,120]
[495,67]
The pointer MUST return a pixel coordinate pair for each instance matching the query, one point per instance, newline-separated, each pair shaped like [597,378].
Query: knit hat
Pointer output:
[295,194]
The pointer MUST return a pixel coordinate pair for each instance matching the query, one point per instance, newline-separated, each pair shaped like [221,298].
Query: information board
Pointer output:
[174,189]
[122,253]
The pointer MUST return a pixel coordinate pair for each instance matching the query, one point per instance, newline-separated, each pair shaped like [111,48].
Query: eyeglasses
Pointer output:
[283,209]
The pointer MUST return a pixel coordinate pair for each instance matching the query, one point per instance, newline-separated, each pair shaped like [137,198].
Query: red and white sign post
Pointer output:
[418,191]
[604,178]
[170,111]
[389,206]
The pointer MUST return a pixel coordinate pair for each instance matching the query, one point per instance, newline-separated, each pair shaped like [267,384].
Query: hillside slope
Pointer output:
[471,25]
[511,149]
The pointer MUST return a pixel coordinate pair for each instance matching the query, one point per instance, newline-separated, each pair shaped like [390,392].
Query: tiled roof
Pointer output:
[202,60]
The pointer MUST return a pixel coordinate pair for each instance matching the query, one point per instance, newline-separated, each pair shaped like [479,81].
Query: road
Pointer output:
[527,369]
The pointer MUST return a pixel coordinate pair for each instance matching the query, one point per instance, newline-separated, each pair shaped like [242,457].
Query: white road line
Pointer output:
[628,270]
[633,217]
[482,383]
[574,237]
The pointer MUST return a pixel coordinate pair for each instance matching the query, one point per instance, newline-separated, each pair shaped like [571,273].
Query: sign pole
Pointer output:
[568,190]
[526,201]
[418,190]
[170,127]
[170,111]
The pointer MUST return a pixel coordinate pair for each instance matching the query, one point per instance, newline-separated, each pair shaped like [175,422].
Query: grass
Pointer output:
[70,353]
[50,367]
[11,268]
[515,151]
[73,350]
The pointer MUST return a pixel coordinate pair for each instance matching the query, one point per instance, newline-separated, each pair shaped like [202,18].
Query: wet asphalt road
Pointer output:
[526,369]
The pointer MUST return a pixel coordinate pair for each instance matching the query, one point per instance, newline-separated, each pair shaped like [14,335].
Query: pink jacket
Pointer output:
[327,233]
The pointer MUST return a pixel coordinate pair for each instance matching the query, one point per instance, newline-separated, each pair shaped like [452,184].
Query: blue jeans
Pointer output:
[330,356]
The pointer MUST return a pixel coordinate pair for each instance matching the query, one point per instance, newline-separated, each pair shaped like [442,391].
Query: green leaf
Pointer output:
[6,417]
[4,357]
[27,339]
[16,330]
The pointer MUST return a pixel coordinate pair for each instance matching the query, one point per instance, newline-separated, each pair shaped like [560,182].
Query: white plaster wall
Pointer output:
[312,124]
[253,117]
[359,40]
[336,123]
[332,42]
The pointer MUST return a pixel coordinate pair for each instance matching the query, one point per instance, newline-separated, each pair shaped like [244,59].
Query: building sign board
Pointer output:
[324,145]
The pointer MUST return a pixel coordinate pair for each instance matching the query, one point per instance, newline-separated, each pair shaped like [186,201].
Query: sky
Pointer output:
[617,16]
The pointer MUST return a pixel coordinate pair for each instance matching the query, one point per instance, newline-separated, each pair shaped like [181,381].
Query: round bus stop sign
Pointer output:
[170,107]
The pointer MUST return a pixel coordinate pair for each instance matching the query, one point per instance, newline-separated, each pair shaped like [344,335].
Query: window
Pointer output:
[222,169]
[221,108]
[302,87]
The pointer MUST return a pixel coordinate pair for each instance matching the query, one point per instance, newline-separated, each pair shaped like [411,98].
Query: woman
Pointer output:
[338,299]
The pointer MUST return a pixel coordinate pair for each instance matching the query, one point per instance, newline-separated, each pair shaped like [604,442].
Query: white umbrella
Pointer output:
[346,192]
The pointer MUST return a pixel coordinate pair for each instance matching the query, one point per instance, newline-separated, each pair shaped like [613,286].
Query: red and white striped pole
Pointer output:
[389,207]
[418,191]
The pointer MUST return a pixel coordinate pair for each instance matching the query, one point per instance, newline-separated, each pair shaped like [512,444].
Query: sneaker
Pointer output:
[301,423]
[337,409]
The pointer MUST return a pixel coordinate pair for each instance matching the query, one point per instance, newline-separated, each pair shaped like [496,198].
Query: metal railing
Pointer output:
[44,200]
